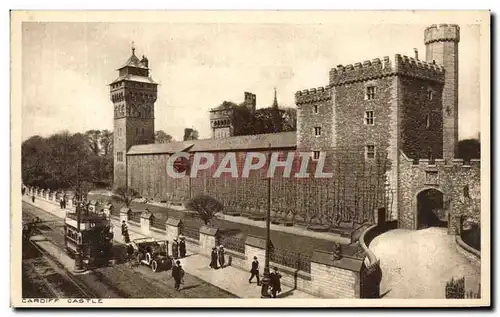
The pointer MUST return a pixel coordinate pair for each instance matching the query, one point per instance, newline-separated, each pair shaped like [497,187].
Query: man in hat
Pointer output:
[275,277]
[178,275]
[175,249]
[182,246]
[213,257]
[221,253]
[255,271]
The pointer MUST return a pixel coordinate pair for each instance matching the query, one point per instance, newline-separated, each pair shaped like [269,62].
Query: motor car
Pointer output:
[153,253]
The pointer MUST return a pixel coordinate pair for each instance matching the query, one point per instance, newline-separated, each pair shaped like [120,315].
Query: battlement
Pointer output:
[361,71]
[313,95]
[441,33]
[380,68]
[437,163]
[411,67]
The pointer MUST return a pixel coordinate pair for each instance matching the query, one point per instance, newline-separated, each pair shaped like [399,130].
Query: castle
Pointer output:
[400,110]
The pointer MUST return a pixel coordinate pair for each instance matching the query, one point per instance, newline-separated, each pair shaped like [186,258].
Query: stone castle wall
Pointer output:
[448,177]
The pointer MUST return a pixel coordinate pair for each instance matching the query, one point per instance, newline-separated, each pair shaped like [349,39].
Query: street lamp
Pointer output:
[266,279]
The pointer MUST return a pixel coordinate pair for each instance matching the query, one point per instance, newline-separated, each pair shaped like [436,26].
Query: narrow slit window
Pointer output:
[316,155]
[317,131]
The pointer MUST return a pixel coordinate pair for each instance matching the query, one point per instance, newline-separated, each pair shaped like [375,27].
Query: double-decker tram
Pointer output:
[88,236]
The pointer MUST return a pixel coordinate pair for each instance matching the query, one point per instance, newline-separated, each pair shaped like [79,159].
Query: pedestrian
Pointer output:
[64,201]
[124,227]
[178,275]
[130,253]
[33,198]
[275,277]
[182,247]
[222,260]
[255,271]
[61,204]
[213,262]
[175,249]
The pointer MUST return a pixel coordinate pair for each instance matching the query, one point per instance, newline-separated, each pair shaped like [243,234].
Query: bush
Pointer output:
[455,288]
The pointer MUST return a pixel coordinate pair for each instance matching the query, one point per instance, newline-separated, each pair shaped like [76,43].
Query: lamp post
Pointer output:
[266,279]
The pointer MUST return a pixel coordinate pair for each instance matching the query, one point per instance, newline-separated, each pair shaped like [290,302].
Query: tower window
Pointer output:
[370,92]
[316,108]
[429,94]
[317,131]
[427,121]
[316,155]
[370,151]
[119,156]
[369,118]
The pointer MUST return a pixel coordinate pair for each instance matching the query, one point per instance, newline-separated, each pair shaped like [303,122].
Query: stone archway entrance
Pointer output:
[430,211]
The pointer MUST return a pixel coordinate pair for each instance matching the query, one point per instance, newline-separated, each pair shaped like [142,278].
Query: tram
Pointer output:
[88,236]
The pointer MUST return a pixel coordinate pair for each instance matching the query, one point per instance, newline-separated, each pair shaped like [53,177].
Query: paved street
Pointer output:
[418,263]
[122,281]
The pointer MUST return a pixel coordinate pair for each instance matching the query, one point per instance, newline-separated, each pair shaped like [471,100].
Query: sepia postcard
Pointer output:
[250,159]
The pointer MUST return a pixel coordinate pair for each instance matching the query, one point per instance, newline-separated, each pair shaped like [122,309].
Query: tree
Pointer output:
[289,119]
[93,139]
[206,206]
[469,149]
[190,134]
[106,142]
[126,195]
[162,137]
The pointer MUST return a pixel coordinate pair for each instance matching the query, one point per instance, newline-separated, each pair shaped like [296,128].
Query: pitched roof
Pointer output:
[133,61]
[130,77]
[241,143]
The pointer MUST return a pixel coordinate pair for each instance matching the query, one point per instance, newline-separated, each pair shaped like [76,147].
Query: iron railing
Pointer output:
[233,243]
[135,217]
[190,232]
[290,259]
[158,223]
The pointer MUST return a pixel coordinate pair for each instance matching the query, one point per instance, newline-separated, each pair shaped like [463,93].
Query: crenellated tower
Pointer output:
[133,95]
[441,43]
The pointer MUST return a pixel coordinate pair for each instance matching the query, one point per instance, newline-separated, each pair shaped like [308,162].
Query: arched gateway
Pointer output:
[430,209]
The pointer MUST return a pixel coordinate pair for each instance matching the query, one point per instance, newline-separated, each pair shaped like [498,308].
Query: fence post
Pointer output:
[124,213]
[208,239]
[146,218]
[173,228]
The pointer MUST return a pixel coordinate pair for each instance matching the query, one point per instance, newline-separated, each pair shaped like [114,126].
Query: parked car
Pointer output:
[153,253]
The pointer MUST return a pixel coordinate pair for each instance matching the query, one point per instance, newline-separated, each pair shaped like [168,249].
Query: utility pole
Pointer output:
[266,279]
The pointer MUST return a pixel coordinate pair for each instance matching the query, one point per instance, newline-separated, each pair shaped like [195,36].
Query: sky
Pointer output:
[66,68]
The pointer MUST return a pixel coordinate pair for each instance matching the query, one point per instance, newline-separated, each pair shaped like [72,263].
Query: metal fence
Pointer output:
[157,223]
[233,243]
[190,232]
[293,260]
[135,217]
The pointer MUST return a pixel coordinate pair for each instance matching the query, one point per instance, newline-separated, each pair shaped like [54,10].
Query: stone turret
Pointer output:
[441,43]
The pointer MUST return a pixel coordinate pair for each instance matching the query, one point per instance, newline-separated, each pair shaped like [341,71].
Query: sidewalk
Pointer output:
[231,279]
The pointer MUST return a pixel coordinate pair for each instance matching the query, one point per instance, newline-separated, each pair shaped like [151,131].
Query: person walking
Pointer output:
[182,247]
[175,249]
[275,278]
[220,254]
[213,262]
[125,235]
[178,275]
[61,203]
[64,201]
[255,271]
[33,198]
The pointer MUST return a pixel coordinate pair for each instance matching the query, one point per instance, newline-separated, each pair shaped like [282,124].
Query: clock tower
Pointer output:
[133,95]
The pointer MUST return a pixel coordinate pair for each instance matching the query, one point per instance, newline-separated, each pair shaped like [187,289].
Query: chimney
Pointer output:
[416,53]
